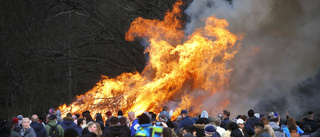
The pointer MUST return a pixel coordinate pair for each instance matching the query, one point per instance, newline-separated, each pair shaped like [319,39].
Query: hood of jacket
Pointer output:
[36,126]
[115,130]
[200,126]
[274,125]
[52,122]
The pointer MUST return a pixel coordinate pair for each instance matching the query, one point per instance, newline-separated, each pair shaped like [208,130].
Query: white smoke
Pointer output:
[280,48]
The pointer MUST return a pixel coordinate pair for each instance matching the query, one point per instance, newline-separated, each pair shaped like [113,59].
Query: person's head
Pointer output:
[292,128]
[69,115]
[166,132]
[163,118]
[165,108]
[15,120]
[240,123]
[264,121]
[92,127]
[131,116]
[108,114]
[274,119]
[258,127]
[88,117]
[70,132]
[216,121]
[250,113]
[34,118]
[184,113]
[291,121]
[189,130]
[209,131]
[99,117]
[307,128]
[123,121]
[120,113]
[233,126]
[80,122]
[226,114]
[114,121]
[310,115]
[204,114]
[144,119]
[53,117]
[244,118]
[25,123]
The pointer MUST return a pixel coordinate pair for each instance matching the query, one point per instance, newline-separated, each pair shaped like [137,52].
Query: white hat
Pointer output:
[257,115]
[204,114]
[240,121]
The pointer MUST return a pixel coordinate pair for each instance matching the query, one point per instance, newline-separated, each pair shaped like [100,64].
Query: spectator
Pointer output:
[93,130]
[269,129]
[12,132]
[293,130]
[226,115]
[252,120]
[123,125]
[68,122]
[274,124]
[79,126]
[216,123]
[235,131]
[146,129]
[100,121]
[310,121]
[134,124]
[186,120]
[307,131]
[39,129]
[260,131]
[17,128]
[120,114]
[291,121]
[165,112]
[201,122]
[115,129]
[240,123]
[53,122]
[26,130]
[108,114]
[210,131]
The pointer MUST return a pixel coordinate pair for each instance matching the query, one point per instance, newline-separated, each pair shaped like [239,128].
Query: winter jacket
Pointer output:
[29,132]
[13,134]
[53,123]
[134,126]
[17,128]
[186,122]
[278,132]
[227,133]
[316,133]
[39,129]
[305,134]
[236,133]
[224,123]
[86,133]
[115,131]
[248,129]
[262,133]
[79,130]
[252,121]
[220,130]
[68,123]
[147,130]
[314,125]
[199,130]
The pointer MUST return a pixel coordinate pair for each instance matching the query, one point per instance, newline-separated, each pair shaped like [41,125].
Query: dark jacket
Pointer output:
[186,122]
[68,123]
[115,131]
[314,125]
[79,130]
[236,133]
[29,132]
[39,129]
[17,128]
[252,121]
[86,133]
[224,123]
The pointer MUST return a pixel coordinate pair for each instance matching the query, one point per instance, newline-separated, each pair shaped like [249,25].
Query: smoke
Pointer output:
[279,52]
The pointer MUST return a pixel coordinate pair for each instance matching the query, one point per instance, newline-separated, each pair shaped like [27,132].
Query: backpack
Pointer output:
[54,131]
[279,133]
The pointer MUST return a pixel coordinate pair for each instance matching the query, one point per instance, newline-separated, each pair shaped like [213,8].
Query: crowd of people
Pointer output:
[150,124]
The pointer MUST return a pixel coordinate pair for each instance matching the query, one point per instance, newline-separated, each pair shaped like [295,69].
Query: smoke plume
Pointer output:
[278,59]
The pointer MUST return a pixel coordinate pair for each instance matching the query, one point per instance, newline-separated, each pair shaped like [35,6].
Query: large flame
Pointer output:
[180,68]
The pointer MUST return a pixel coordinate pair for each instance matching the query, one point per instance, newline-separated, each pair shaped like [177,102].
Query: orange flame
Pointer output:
[179,69]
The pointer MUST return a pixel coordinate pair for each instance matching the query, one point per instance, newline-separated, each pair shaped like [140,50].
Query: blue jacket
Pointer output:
[134,123]
[224,123]
[286,130]
[79,130]
[68,124]
[252,121]
[186,122]
[39,129]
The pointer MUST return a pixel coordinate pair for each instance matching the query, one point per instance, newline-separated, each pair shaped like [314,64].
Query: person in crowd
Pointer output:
[235,130]
[134,123]
[58,115]
[228,131]
[168,132]
[92,130]
[189,131]
[201,122]
[20,117]
[146,129]
[316,133]
[88,117]
[12,132]
[265,122]
[165,112]
[247,128]
[307,131]
[226,115]
[252,120]
[176,124]
[240,123]
[53,123]
[100,121]
[186,120]
[70,132]
[17,128]
[210,131]
[79,129]
[309,120]
[115,130]
[108,114]
[291,121]
[120,113]
[124,125]
[68,122]
[274,124]
[216,121]
[260,131]
[39,129]
[76,117]
[27,130]
[293,130]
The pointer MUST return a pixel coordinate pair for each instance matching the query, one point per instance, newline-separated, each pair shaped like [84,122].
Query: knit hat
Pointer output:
[210,130]
[184,111]
[15,120]
[120,113]
[51,111]
[20,117]
[204,114]
[108,113]
[52,117]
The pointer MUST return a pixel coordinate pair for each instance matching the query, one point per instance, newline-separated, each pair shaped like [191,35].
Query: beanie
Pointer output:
[204,114]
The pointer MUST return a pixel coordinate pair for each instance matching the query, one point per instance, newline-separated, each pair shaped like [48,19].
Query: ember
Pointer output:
[179,68]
